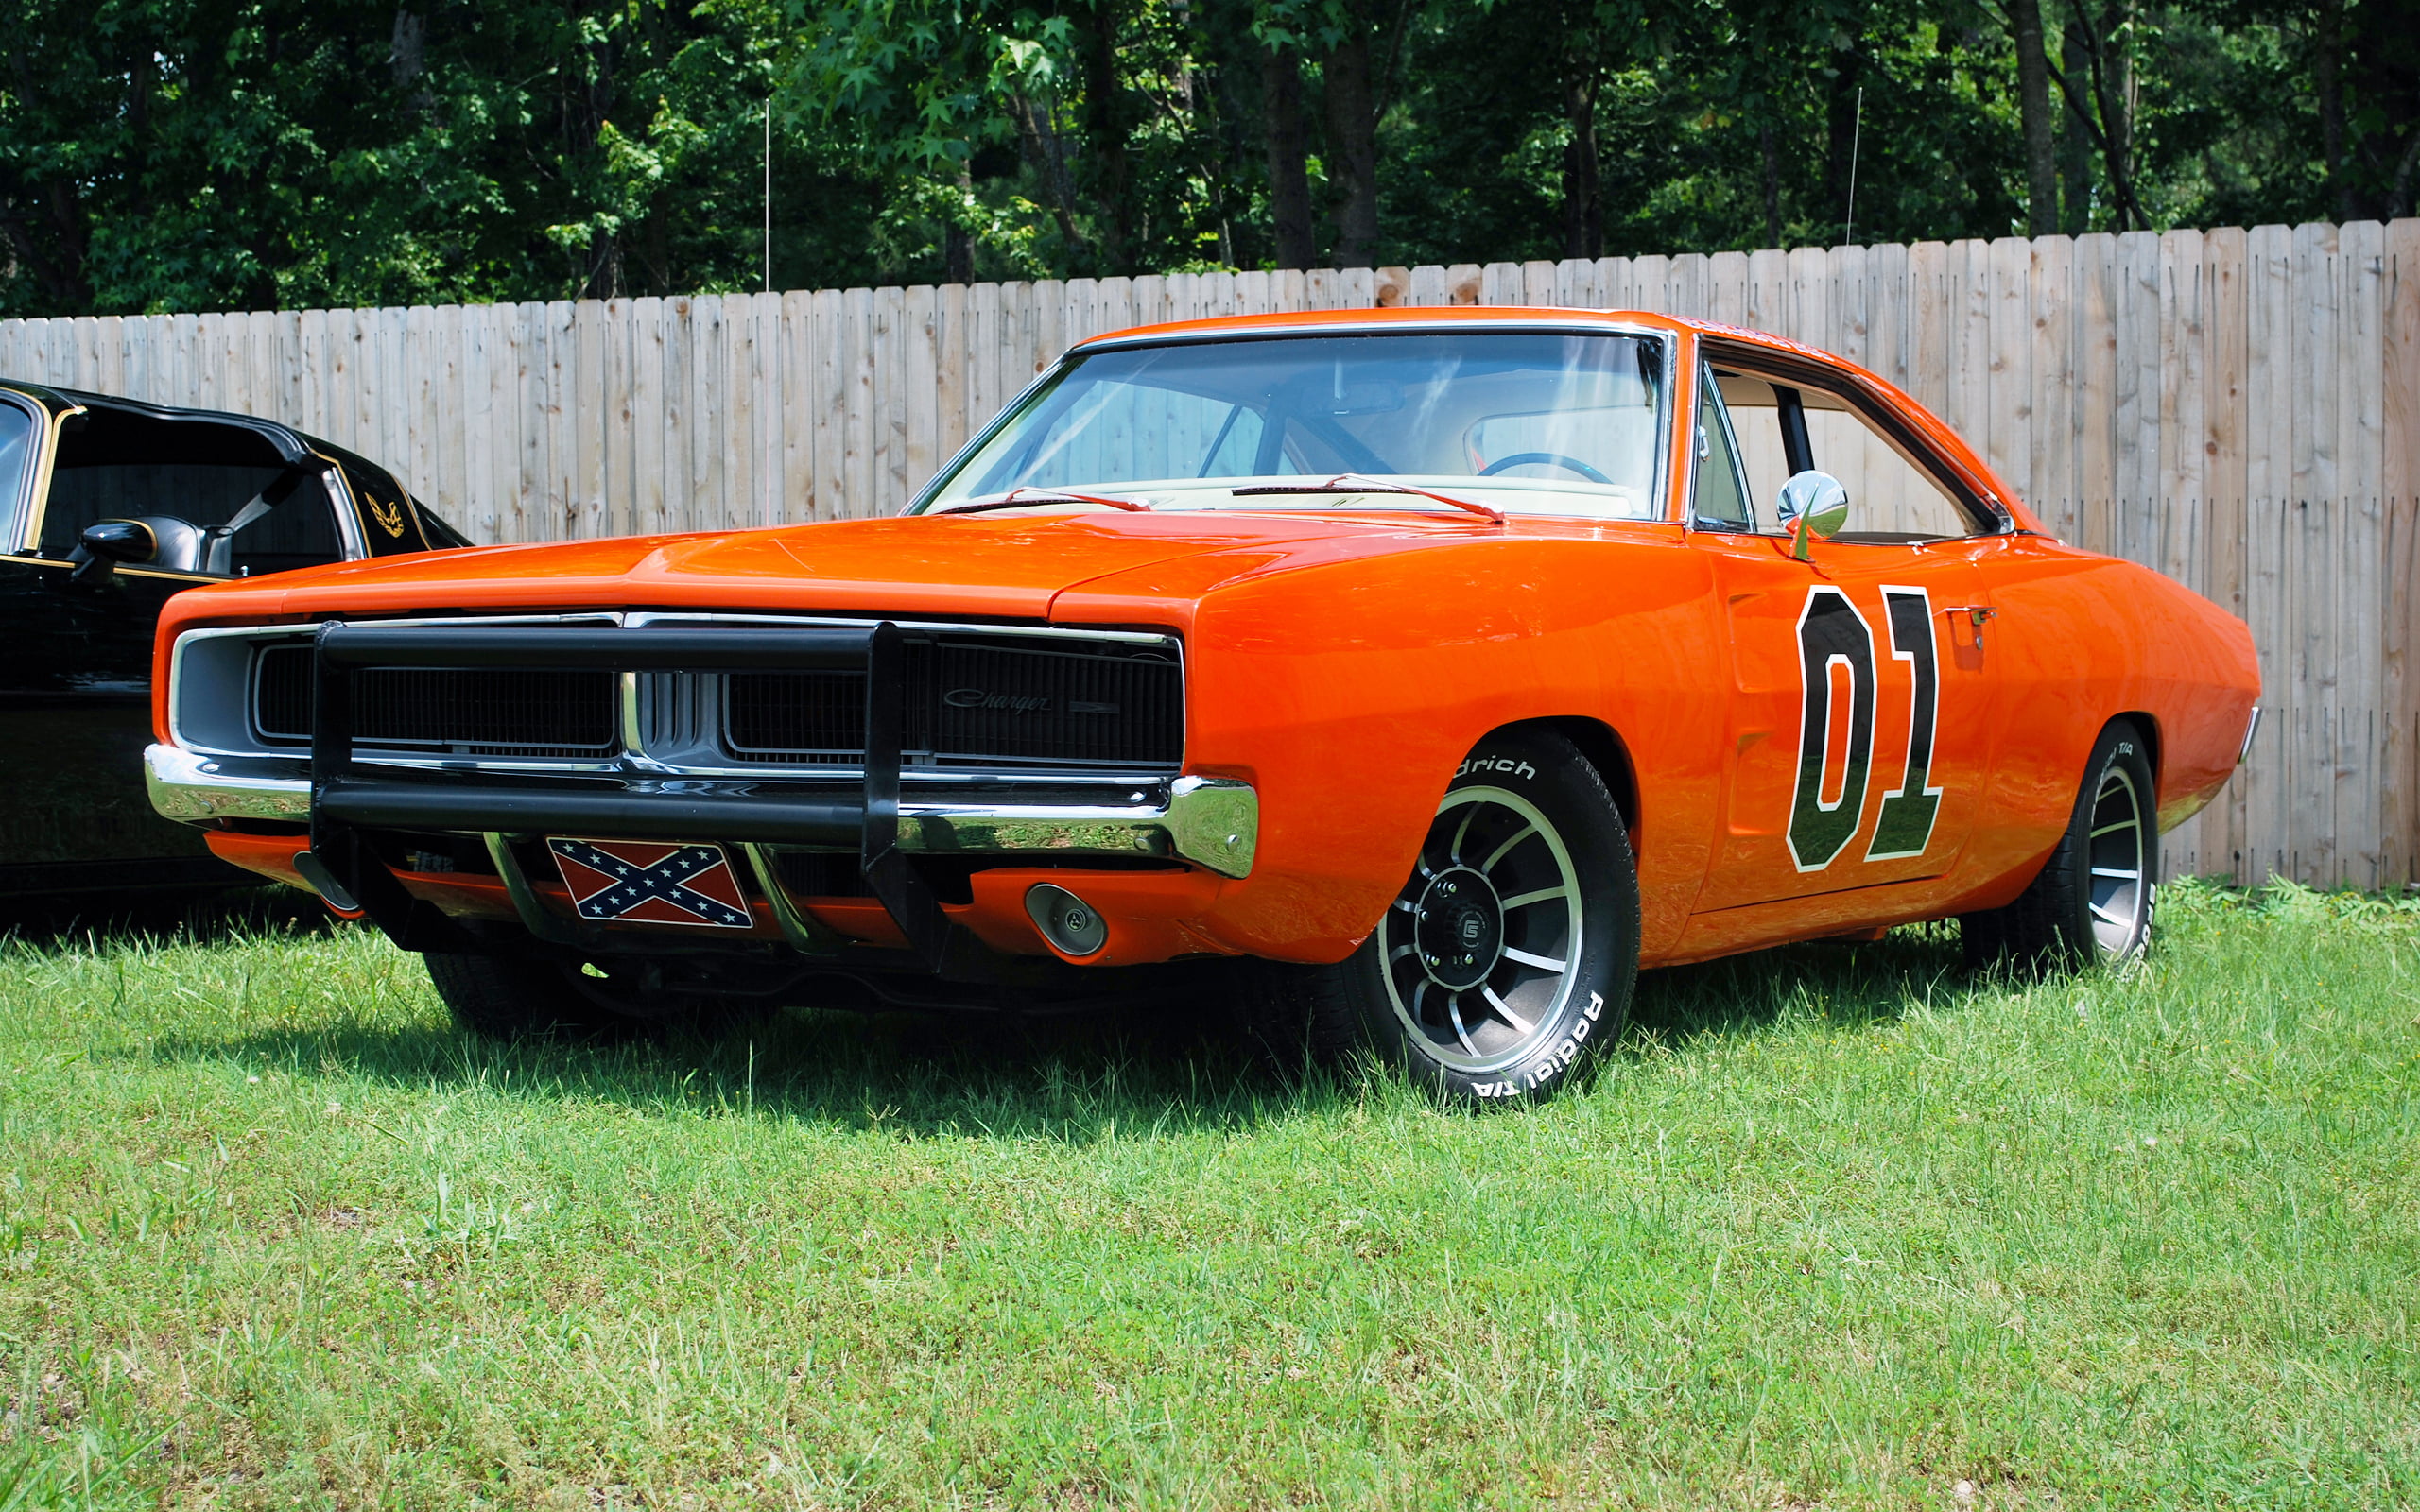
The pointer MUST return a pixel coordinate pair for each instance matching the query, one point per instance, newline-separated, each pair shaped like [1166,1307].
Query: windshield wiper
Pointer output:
[1017,498]
[1358,484]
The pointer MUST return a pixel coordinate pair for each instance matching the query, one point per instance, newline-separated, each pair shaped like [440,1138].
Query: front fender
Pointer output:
[1349,695]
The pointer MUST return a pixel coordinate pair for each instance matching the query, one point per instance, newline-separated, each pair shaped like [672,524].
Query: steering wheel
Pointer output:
[1550,459]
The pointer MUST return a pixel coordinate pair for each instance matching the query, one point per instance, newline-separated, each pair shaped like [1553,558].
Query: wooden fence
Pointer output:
[2238,408]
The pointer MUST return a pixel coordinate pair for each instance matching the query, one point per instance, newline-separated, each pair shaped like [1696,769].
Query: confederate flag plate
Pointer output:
[633,881]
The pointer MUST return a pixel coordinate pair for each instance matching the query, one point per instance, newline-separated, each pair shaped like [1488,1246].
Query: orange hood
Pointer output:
[990,566]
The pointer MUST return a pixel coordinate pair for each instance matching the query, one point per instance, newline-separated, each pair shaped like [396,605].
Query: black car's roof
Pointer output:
[293,446]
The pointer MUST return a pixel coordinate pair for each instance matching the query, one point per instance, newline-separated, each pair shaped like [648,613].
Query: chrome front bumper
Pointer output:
[1211,821]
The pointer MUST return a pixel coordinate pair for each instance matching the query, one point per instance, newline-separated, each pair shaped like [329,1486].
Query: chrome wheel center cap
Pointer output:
[1458,929]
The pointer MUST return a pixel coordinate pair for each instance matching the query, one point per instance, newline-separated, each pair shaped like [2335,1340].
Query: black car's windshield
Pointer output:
[1527,421]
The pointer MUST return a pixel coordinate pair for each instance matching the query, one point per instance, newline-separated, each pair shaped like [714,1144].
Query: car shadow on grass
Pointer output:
[1847,985]
[170,917]
[1185,1061]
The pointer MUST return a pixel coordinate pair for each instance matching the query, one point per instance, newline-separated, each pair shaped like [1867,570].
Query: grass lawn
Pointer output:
[1834,1226]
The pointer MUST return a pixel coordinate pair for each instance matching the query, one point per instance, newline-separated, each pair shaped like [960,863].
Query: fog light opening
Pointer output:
[1065,920]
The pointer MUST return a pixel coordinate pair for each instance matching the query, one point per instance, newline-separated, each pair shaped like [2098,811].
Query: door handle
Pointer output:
[1976,615]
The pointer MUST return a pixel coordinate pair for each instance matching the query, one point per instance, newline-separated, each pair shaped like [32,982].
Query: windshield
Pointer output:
[1527,421]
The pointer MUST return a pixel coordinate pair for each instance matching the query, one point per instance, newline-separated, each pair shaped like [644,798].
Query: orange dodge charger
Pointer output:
[1449,665]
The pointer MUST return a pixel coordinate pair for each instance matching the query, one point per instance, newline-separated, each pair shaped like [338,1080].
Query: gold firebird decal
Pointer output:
[389,516]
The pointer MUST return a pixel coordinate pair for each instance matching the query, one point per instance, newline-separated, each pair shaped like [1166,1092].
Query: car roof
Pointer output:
[293,446]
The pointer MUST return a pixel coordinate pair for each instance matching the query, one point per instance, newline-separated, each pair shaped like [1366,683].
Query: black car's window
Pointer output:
[118,464]
[18,430]
[1893,495]
[392,521]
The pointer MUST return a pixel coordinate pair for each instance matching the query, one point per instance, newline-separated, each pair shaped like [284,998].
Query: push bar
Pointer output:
[345,799]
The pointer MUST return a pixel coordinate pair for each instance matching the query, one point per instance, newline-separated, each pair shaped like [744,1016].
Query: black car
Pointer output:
[107,507]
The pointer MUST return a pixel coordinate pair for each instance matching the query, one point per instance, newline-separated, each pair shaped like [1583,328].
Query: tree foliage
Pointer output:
[191,154]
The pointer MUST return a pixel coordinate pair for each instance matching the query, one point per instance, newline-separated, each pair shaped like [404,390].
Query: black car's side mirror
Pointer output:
[108,544]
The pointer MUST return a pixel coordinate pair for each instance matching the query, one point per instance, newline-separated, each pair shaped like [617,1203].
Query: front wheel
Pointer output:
[1509,957]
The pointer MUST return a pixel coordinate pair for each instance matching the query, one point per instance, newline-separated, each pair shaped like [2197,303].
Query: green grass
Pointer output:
[1833,1227]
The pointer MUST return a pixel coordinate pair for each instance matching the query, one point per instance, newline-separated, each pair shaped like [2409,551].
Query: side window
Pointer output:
[225,481]
[19,432]
[1721,501]
[1784,429]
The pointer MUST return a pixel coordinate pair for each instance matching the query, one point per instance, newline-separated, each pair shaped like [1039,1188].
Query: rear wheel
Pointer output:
[1509,957]
[2094,898]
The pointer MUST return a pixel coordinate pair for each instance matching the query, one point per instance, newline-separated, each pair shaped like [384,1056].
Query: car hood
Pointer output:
[1011,567]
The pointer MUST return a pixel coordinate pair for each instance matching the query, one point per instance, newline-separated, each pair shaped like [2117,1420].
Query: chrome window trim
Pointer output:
[14,511]
[1667,340]
[35,492]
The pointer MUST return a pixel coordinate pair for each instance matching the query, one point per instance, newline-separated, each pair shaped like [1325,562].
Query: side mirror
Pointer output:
[1813,508]
[108,544]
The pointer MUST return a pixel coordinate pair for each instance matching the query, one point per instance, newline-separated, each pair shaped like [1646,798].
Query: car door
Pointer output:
[76,682]
[1862,686]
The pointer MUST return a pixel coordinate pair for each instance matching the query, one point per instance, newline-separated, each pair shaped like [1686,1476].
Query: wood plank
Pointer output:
[1970,380]
[795,338]
[2006,436]
[1929,334]
[2096,359]
[830,403]
[1684,284]
[2269,512]
[2399,485]
[886,349]
[2221,440]
[2360,604]
[2049,466]
[2179,505]
[448,435]
[593,411]
[2178,508]
[1849,299]
[737,446]
[481,370]
[651,356]
[1887,281]
[1616,283]
[2317,497]
[920,337]
[134,366]
[985,347]
[859,487]
[950,429]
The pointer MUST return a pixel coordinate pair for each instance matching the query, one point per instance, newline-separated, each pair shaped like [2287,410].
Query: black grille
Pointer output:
[972,702]
[969,701]
[567,714]
[796,716]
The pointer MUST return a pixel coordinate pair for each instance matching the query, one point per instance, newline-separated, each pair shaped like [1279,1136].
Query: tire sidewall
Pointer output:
[2120,746]
[1555,779]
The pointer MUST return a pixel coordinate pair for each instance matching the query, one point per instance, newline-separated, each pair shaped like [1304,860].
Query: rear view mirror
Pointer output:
[1813,506]
[108,544]
[1370,396]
